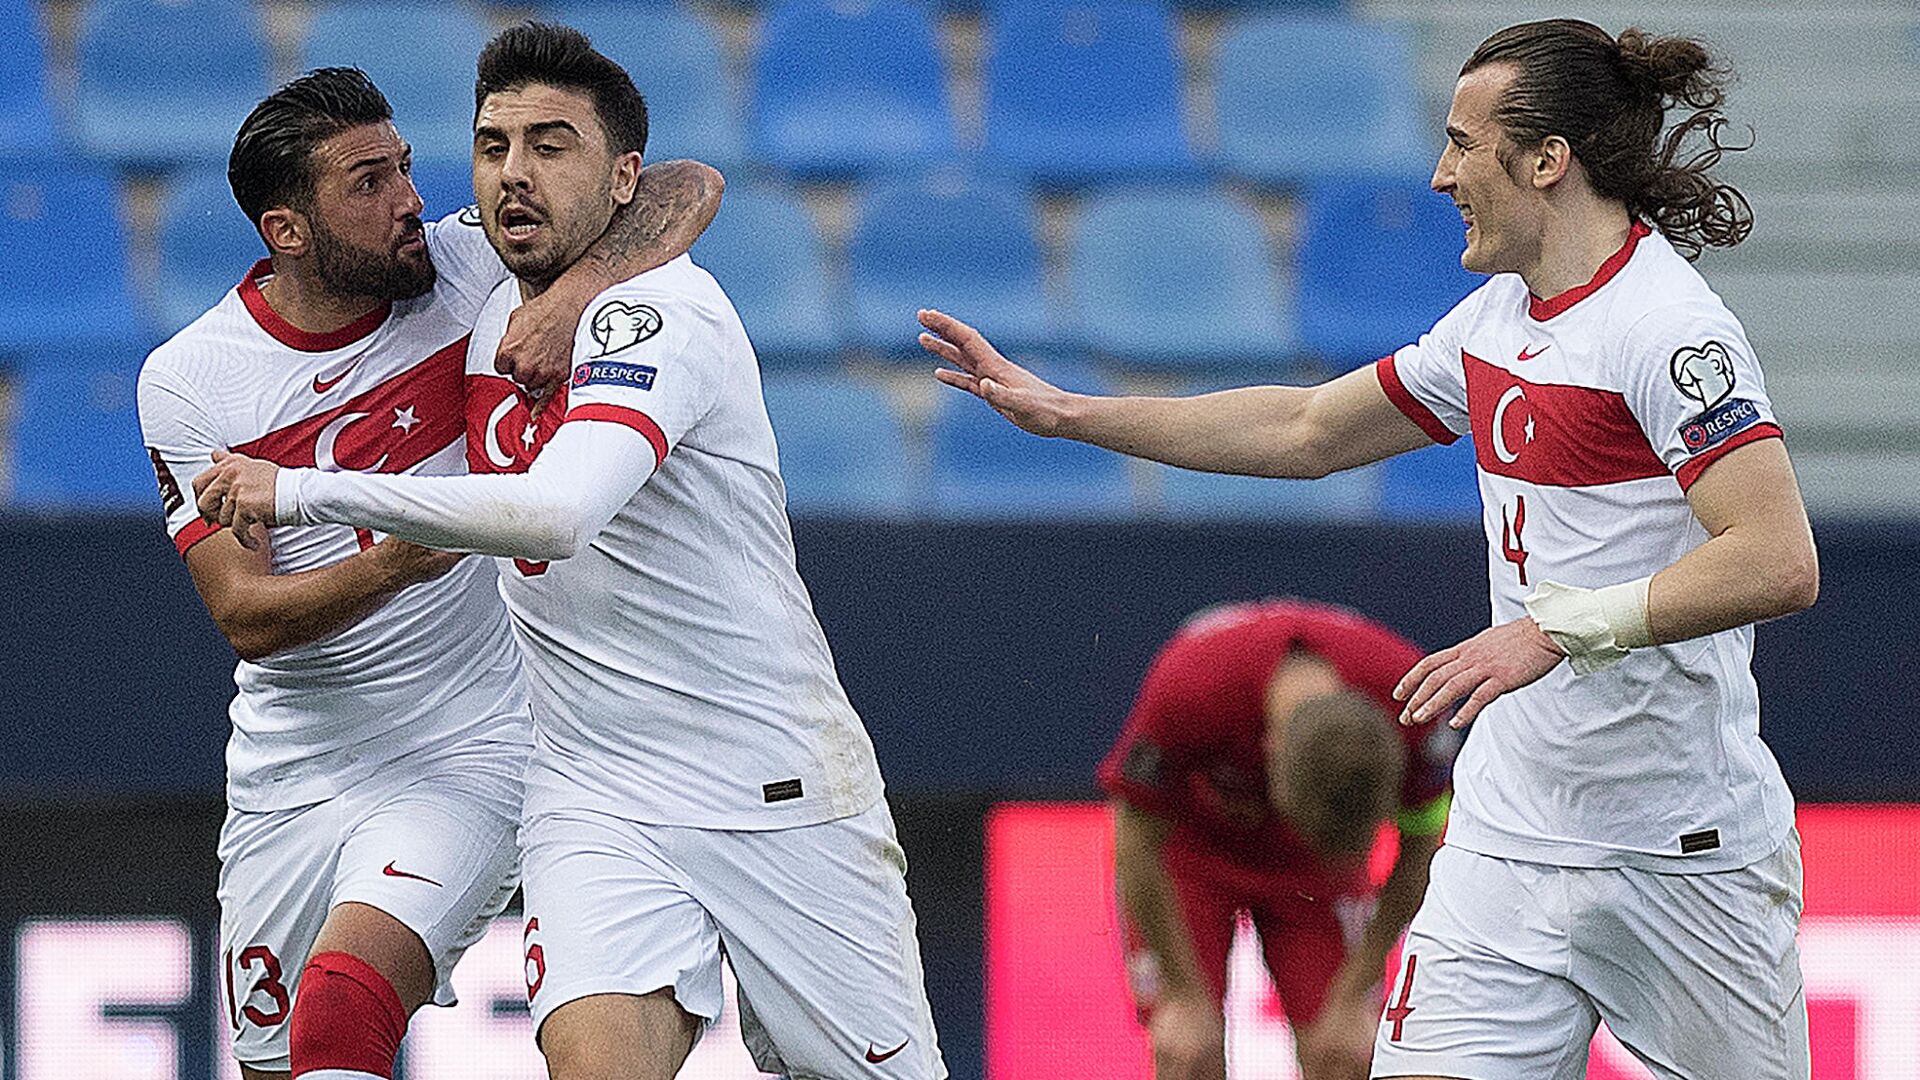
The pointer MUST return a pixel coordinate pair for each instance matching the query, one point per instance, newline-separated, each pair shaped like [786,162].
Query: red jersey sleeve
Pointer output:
[1147,766]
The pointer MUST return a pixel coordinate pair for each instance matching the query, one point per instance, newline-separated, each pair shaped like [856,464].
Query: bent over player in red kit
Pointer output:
[1253,775]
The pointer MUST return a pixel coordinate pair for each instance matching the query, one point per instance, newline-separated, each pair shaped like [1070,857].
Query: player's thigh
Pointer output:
[609,914]
[822,939]
[1482,991]
[595,1037]
[428,862]
[1699,974]
[276,867]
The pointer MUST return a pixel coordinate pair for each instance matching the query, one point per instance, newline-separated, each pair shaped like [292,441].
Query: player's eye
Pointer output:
[548,149]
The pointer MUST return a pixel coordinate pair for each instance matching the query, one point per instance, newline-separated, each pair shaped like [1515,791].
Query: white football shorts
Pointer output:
[430,840]
[814,919]
[1509,966]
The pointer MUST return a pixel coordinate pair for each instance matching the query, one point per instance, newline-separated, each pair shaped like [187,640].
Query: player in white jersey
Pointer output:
[700,782]
[381,728]
[1622,843]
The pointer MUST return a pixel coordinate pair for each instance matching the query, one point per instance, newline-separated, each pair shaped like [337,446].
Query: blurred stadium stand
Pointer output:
[849,86]
[1168,188]
[1083,90]
[967,241]
[163,82]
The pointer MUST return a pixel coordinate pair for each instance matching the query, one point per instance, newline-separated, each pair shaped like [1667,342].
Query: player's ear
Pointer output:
[285,231]
[1551,161]
[626,177]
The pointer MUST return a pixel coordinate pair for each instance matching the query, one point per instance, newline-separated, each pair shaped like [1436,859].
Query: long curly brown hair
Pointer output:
[1609,97]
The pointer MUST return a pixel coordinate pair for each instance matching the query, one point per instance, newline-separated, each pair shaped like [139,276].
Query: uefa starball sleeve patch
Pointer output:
[618,326]
[1705,374]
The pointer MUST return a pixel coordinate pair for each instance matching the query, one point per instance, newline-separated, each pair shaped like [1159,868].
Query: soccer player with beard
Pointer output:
[700,782]
[1621,844]
[380,731]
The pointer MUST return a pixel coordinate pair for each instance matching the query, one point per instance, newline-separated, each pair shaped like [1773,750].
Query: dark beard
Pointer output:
[350,271]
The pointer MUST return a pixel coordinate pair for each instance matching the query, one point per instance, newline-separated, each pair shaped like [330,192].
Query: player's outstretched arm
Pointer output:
[262,613]
[1281,431]
[580,480]
[673,205]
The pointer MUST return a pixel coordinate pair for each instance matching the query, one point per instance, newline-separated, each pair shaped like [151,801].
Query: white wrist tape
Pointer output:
[1595,627]
[286,496]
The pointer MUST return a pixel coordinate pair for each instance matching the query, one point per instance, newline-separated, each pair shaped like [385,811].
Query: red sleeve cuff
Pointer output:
[1404,400]
[1690,470]
[195,532]
[620,414]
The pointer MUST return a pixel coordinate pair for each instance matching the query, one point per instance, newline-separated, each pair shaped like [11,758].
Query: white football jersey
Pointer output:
[1591,415]
[679,676]
[384,394]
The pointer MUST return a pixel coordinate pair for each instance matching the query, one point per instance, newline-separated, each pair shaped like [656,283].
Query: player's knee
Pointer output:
[346,1017]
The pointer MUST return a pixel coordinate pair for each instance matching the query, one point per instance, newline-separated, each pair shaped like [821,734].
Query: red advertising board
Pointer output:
[1057,1004]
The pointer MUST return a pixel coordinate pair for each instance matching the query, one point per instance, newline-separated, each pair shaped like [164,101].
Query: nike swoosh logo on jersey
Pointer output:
[321,386]
[876,1057]
[1526,356]
[391,872]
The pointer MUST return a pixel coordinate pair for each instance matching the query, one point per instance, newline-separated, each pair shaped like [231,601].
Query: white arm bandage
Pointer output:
[580,480]
[1595,627]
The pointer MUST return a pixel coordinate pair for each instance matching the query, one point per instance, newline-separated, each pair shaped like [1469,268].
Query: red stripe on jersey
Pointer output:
[1690,470]
[632,418]
[1404,400]
[292,336]
[388,429]
[501,435]
[195,531]
[1542,310]
[1549,433]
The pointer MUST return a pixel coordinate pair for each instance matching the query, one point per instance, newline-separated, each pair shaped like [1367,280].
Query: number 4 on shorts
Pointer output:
[1399,1011]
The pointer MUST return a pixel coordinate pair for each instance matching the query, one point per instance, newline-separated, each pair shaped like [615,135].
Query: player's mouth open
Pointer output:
[519,223]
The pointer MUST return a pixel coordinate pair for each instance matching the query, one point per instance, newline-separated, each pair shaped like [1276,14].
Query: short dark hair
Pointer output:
[1609,98]
[1339,768]
[272,160]
[548,54]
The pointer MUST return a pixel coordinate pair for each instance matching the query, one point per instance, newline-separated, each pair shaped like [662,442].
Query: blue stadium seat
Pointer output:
[421,56]
[693,110]
[842,449]
[1379,264]
[1300,97]
[76,433]
[1353,495]
[1436,482]
[957,243]
[767,255]
[206,246]
[167,81]
[1078,90]
[1178,277]
[846,86]
[444,186]
[26,120]
[985,467]
[64,278]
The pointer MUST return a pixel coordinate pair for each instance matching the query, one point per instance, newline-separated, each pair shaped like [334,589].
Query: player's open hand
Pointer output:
[238,492]
[1189,1038]
[1490,663]
[1013,391]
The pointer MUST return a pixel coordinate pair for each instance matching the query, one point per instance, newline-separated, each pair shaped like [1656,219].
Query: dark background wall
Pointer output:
[987,659]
